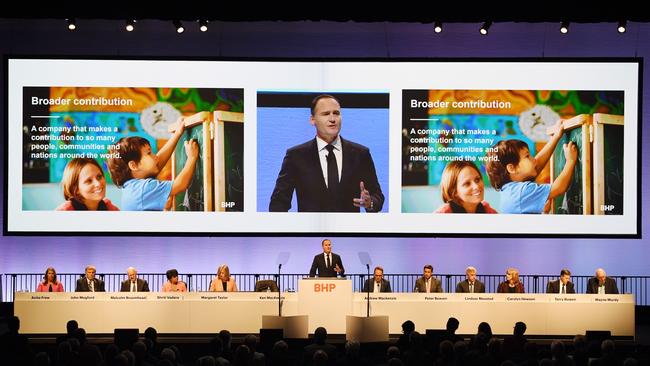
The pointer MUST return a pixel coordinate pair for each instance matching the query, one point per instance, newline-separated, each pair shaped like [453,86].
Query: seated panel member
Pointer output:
[327,264]
[471,284]
[328,173]
[428,283]
[50,283]
[511,284]
[601,284]
[561,286]
[223,282]
[173,284]
[134,284]
[378,283]
[89,283]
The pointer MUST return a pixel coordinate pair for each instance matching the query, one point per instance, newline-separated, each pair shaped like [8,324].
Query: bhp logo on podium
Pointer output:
[324,287]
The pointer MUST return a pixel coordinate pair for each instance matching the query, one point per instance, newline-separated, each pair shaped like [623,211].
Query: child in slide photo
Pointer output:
[84,187]
[462,189]
[134,168]
[512,171]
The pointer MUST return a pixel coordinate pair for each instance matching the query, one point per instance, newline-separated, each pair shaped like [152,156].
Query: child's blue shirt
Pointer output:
[145,194]
[524,197]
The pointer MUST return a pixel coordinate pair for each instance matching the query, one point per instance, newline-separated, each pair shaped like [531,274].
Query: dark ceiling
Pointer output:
[377,11]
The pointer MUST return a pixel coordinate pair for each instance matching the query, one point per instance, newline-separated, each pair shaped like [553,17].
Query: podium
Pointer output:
[367,329]
[295,326]
[327,301]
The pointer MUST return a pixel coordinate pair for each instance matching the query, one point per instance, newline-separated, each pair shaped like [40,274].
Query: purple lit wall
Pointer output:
[326,39]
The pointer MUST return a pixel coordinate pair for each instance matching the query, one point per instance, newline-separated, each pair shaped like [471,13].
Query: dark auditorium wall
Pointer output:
[328,39]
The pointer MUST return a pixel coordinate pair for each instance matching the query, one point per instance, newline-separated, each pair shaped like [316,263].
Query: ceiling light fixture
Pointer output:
[179,26]
[485,27]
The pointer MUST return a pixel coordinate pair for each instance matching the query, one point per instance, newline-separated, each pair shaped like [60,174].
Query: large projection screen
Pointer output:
[430,142]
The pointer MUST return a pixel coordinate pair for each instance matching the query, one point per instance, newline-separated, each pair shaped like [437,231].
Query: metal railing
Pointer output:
[28,282]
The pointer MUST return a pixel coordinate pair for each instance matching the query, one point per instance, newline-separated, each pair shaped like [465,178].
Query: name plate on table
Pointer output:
[525,298]
[168,296]
[612,299]
[130,296]
[478,298]
[85,297]
[431,297]
[570,298]
[380,298]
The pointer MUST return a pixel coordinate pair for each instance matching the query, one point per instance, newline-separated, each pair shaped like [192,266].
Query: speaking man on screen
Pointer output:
[327,264]
[328,173]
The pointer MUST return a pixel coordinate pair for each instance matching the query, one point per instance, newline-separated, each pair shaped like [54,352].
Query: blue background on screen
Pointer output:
[281,128]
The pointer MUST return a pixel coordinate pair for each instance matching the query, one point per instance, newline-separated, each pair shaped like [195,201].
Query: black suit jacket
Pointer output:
[463,286]
[610,286]
[370,283]
[318,265]
[553,287]
[301,171]
[142,285]
[82,285]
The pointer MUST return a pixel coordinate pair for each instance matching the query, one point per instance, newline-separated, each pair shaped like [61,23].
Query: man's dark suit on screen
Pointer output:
[83,286]
[370,283]
[318,265]
[141,285]
[553,287]
[463,286]
[301,171]
[610,286]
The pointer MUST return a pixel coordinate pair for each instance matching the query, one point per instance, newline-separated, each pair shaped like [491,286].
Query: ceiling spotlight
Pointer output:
[203,25]
[437,26]
[564,27]
[179,26]
[485,27]
[130,25]
[71,24]
[622,26]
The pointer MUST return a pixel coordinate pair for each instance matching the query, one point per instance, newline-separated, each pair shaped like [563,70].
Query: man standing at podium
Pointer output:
[327,264]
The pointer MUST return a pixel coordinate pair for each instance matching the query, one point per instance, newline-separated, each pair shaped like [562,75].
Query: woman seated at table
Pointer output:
[173,284]
[50,283]
[511,284]
[223,282]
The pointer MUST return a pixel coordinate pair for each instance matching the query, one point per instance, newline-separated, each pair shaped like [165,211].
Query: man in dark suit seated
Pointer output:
[601,284]
[378,283]
[89,283]
[470,284]
[320,337]
[328,173]
[428,283]
[134,284]
[562,285]
[327,264]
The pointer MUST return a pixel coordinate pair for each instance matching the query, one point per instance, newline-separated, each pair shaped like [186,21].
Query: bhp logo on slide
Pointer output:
[324,287]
